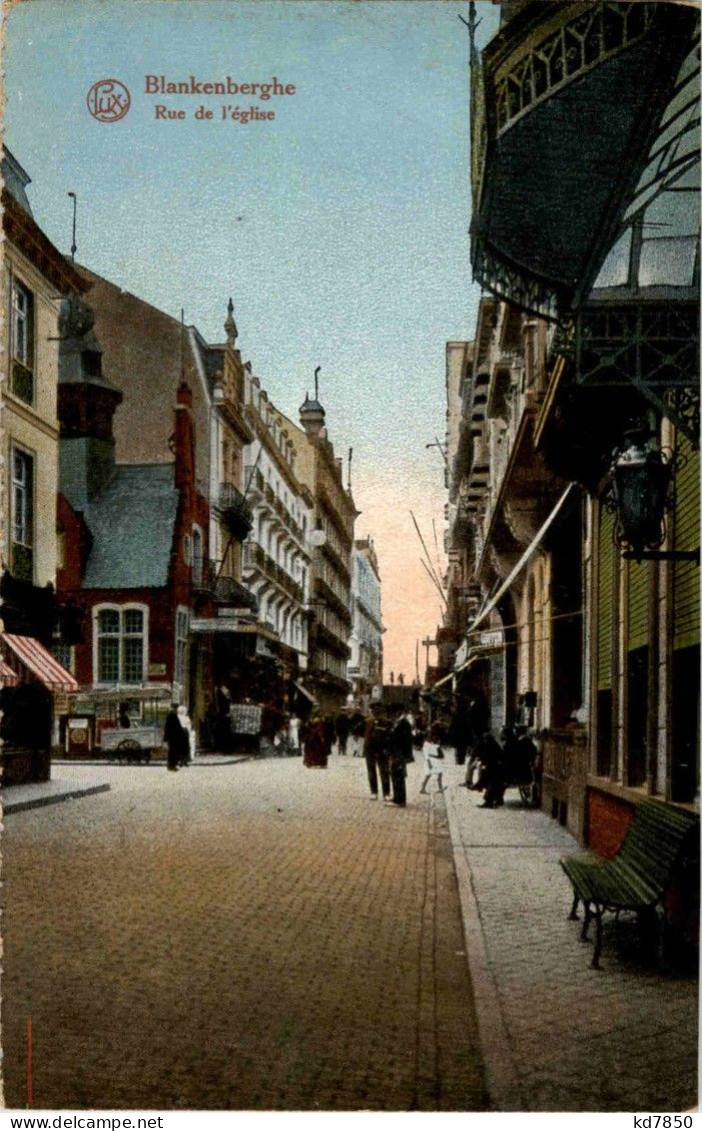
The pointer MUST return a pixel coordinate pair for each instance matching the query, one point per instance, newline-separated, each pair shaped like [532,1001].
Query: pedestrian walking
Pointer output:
[184,720]
[492,775]
[176,739]
[358,731]
[315,744]
[343,729]
[400,756]
[376,752]
[433,761]
[294,734]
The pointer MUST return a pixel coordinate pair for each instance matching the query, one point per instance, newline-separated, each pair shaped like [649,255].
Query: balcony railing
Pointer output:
[234,511]
[255,557]
[254,481]
[224,589]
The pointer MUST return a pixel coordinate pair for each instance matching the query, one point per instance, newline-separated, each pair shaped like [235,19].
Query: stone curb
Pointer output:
[201,761]
[500,1070]
[53,798]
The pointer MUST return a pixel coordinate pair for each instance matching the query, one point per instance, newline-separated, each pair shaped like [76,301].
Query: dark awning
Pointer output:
[304,691]
[570,103]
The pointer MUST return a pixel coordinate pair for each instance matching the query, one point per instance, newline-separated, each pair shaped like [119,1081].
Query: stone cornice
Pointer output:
[26,235]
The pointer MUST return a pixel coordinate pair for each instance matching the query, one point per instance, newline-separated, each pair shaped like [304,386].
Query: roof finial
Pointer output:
[230,325]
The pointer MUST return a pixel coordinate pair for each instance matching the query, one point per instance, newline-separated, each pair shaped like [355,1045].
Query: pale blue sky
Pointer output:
[352,249]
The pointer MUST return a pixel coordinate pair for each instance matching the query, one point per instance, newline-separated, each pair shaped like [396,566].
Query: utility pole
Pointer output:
[428,643]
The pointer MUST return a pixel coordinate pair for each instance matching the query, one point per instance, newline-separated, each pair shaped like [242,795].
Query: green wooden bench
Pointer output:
[637,876]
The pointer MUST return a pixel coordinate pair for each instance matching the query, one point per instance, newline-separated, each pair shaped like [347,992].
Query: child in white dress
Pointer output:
[433,765]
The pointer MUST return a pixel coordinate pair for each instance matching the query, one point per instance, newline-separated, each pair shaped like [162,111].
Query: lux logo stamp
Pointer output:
[108,100]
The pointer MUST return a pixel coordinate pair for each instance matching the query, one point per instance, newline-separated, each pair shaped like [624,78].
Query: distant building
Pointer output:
[365,668]
[331,541]
[276,564]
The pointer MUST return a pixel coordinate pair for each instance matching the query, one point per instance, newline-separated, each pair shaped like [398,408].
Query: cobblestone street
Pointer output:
[252,936]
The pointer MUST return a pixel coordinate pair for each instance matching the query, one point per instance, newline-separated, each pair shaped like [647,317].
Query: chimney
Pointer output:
[184,438]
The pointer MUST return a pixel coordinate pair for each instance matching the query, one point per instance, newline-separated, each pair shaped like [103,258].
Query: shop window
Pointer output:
[605,642]
[22,499]
[121,644]
[685,779]
[181,645]
[22,341]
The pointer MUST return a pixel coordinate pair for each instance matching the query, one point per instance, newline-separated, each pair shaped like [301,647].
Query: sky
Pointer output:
[339,228]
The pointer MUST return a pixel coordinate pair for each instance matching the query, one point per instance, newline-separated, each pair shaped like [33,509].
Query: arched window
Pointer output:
[121,643]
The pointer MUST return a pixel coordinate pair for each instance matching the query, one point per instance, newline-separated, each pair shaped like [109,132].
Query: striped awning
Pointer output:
[8,678]
[39,661]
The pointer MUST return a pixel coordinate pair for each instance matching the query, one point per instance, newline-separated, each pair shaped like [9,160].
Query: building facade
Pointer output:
[149,355]
[331,542]
[277,553]
[585,399]
[365,668]
[128,567]
[36,279]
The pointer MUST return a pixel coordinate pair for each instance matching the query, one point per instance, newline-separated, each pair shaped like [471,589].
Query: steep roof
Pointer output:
[143,354]
[132,524]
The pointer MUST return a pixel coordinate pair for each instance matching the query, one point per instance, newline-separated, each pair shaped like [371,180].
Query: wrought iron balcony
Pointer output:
[254,481]
[223,589]
[234,511]
[255,558]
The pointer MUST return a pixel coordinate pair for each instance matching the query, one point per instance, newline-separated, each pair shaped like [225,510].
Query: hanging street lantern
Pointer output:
[640,476]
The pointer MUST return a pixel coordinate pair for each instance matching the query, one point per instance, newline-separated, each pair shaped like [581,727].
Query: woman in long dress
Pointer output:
[315,746]
[184,720]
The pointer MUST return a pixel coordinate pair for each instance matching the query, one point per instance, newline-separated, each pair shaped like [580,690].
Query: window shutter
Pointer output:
[686,517]
[605,598]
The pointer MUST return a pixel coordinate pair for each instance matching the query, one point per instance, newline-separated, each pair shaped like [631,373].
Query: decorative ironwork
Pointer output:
[656,344]
[515,286]
[234,511]
[576,47]
[564,343]
[639,498]
[682,406]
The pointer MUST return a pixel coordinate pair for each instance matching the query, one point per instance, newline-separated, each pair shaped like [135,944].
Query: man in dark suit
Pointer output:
[376,750]
[400,756]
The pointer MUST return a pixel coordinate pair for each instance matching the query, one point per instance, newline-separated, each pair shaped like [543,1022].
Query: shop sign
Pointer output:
[492,639]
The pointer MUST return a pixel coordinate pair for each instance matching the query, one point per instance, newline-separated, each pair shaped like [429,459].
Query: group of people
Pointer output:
[388,748]
[388,740]
[494,765]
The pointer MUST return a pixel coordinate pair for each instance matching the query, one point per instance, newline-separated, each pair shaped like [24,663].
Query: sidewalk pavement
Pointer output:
[64,786]
[557,1035]
[158,760]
